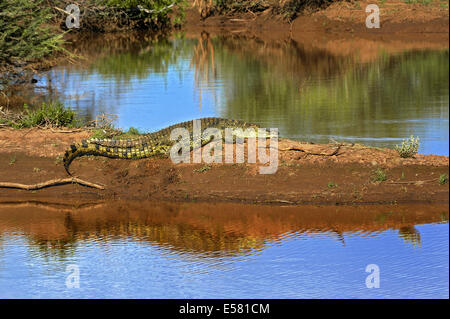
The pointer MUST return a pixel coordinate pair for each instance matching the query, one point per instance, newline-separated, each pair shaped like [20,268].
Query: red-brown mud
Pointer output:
[348,177]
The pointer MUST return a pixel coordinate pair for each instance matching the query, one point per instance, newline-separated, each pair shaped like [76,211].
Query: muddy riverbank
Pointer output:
[307,174]
[398,20]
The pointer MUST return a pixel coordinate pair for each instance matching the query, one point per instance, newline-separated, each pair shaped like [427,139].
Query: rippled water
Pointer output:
[162,250]
[308,93]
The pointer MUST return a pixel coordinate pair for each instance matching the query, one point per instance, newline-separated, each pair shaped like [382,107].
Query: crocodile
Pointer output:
[147,145]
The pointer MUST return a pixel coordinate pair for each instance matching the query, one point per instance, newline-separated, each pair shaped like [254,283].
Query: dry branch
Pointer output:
[312,153]
[53,182]
[414,182]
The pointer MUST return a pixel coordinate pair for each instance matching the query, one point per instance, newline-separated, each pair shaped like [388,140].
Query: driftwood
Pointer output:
[53,182]
[312,153]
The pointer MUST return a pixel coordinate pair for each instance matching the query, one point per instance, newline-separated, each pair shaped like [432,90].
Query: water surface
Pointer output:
[308,93]
[162,250]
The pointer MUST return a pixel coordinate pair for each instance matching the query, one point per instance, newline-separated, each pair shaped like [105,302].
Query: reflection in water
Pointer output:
[148,249]
[213,229]
[308,93]
[410,235]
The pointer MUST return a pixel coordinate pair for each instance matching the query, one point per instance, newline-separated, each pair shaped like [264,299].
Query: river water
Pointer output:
[163,250]
[308,93]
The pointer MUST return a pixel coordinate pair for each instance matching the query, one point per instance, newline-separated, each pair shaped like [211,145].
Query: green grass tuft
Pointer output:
[332,185]
[443,179]
[52,114]
[408,148]
[202,169]
[379,175]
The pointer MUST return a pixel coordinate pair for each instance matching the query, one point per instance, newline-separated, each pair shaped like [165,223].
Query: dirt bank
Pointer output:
[349,17]
[340,28]
[309,176]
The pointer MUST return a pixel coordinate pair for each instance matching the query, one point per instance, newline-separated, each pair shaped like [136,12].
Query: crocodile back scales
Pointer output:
[147,145]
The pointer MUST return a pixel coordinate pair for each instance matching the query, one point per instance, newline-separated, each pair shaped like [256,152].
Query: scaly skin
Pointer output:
[148,145]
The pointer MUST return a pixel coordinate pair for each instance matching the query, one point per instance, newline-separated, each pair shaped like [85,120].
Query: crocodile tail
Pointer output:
[69,156]
[76,150]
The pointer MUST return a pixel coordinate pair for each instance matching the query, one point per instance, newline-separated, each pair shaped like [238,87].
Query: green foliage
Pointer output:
[49,114]
[443,179]
[379,175]
[423,2]
[154,12]
[12,160]
[331,185]
[24,35]
[261,81]
[110,131]
[408,148]
[133,131]
[202,169]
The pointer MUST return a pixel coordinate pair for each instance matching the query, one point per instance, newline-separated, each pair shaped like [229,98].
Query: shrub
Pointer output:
[157,14]
[49,114]
[443,179]
[133,131]
[25,35]
[408,148]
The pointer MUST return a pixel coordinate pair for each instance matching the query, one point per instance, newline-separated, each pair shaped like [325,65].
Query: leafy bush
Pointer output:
[443,179]
[408,148]
[157,12]
[49,114]
[24,35]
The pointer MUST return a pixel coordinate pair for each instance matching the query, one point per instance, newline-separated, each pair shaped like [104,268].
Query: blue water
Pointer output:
[379,103]
[118,262]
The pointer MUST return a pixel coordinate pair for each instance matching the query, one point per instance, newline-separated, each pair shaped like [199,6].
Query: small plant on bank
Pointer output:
[443,179]
[52,114]
[331,185]
[148,13]
[202,169]
[408,148]
[379,175]
[133,131]
[109,131]
[12,160]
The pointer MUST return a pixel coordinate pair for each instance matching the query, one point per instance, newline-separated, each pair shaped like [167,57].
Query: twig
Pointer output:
[311,153]
[61,10]
[53,182]
[413,182]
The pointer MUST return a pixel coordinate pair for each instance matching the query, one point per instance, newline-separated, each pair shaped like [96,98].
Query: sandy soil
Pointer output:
[34,155]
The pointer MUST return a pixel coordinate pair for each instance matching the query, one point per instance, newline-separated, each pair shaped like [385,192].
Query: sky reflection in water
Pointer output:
[309,94]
